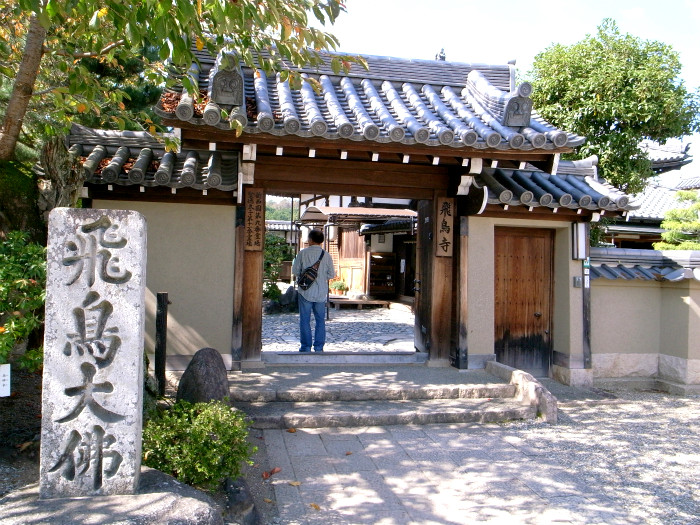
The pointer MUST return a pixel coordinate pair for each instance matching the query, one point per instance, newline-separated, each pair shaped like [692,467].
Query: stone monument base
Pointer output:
[160,499]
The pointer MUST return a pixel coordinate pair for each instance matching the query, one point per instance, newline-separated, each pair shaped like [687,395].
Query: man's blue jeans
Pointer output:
[319,310]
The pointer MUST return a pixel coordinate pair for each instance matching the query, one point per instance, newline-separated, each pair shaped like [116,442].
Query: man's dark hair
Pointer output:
[316,236]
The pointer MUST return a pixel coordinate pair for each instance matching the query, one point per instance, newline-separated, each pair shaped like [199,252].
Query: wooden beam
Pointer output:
[297,187]
[162,194]
[326,171]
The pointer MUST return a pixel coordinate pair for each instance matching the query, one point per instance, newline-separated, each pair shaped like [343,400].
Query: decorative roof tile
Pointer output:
[539,189]
[408,101]
[136,158]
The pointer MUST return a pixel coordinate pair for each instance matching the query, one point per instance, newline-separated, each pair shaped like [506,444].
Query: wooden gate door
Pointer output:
[424,272]
[523,298]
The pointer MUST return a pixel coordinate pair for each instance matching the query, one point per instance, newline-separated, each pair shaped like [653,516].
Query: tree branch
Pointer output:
[89,54]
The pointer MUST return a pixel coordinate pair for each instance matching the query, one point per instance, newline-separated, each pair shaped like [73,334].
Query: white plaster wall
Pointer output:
[190,256]
[386,246]
[625,317]
[480,293]
[675,319]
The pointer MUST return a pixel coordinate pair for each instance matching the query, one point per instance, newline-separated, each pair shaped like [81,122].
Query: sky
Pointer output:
[495,32]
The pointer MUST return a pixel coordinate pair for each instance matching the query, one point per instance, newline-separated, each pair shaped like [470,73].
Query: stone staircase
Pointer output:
[333,396]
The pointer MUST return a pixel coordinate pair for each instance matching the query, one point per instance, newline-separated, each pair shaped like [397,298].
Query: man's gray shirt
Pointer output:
[318,291]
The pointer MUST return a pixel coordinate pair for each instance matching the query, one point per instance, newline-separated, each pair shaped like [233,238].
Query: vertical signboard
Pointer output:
[444,226]
[254,219]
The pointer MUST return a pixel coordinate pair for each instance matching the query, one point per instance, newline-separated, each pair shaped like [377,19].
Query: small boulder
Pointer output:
[288,297]
[240,507]
[205,378]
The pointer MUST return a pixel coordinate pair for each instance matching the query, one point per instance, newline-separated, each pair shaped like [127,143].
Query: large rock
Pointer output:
[205,378]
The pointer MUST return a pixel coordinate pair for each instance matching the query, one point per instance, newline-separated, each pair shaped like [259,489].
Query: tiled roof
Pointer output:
[136,158]
[390,226]
[666,157]
[340,215]
[538,189]
[689,183]
[410,102]
[645,265]
[279,226]
[654,202]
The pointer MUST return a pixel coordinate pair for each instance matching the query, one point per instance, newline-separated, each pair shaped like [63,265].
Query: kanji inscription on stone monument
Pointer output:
[93,353]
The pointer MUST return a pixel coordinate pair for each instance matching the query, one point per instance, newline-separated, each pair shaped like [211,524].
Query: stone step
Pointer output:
[344,358]
[334,392]
[373,413]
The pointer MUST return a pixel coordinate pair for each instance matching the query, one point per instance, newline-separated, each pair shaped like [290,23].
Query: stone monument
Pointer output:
[93,353]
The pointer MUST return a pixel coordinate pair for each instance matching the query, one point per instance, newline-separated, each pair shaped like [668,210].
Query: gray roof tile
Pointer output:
[406,101]
[136,158]
[645,265]
[539,189]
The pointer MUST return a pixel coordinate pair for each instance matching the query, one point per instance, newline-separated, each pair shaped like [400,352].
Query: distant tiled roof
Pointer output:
[667,157]
[279,226]
[340,215]
[645,265]
[390,226]
[538,189]
[689,183]
[654,202]
[136,158]
[434,103]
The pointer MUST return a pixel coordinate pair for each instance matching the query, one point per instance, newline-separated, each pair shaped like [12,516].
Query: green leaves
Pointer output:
[682,225]
[199,444]
[22,293]
[616,90]
[105,30]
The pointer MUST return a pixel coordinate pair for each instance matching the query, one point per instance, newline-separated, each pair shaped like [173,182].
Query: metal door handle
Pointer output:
[538,314]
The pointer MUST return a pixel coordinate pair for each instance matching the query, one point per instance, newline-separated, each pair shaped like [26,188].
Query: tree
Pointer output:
[281,210]
[682,225]
[616,90]
[43,45]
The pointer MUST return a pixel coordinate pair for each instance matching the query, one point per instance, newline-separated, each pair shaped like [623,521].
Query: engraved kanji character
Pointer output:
[90,253]
[444,244]
[82,452]
[86,399]
[92,334]
[446,209]
[444,226]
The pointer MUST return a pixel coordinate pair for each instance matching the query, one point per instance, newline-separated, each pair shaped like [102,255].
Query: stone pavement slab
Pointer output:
[439,474]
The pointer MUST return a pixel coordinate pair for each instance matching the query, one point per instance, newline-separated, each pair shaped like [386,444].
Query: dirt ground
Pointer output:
[20,428]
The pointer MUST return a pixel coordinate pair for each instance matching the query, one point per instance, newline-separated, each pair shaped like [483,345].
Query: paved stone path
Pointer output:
[348,330]
[632,462]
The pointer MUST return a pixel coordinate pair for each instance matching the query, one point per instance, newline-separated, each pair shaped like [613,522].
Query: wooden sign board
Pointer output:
[444,227]
[254,219]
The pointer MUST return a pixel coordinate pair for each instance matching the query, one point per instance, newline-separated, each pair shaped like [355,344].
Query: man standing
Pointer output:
[314,298]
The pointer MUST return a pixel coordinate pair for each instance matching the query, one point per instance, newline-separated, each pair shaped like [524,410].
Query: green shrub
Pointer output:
[276,251]
[22,295]
[199,444]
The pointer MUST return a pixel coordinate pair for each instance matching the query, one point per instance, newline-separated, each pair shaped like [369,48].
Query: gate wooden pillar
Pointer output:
[252,278]
[441,295]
